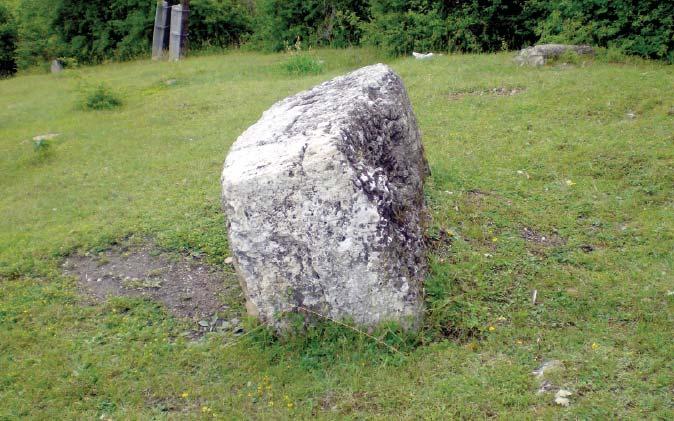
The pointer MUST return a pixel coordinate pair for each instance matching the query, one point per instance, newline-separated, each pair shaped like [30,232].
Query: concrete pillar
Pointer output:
[178,41]
[160,38]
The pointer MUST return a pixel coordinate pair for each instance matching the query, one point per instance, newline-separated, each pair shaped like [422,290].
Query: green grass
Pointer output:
[584,155]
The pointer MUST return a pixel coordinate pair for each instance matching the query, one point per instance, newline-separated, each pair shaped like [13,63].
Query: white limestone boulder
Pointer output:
[325,207]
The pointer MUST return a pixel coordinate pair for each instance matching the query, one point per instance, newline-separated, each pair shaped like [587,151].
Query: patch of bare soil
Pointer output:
[548,240]
[187,287]
[497,91]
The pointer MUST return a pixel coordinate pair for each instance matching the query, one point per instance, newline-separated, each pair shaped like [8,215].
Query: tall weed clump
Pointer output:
[101,98]
[301,62]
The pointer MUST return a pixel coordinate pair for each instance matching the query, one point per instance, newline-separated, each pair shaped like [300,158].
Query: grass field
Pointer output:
[558,179]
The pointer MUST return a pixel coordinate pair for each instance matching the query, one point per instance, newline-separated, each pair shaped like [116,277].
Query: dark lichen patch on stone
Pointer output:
[187,287]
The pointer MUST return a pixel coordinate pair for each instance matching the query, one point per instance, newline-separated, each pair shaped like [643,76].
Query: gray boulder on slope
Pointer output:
[325,206]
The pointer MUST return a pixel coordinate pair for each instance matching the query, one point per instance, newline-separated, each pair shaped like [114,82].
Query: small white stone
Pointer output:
[562,397]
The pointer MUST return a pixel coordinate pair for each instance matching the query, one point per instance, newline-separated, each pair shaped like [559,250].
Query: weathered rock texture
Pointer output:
[538,55]
[324,198]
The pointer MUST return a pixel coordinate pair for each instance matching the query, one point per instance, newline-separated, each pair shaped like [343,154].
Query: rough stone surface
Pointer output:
[324,198]
[56,66]
[538,55]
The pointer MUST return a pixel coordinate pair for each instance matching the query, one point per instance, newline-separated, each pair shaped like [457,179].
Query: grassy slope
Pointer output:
[587,171]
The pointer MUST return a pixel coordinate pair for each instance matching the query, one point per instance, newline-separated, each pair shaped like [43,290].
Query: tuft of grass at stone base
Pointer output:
[564,188]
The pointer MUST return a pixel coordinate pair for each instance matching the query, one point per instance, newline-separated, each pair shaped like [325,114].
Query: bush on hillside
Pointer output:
[101,98]
[8,38]
[642,27]
[401,26]
[335,23]
[96,30]
[38,42]
[218,23]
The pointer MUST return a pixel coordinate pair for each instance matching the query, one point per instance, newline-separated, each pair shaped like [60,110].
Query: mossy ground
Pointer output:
[582,155]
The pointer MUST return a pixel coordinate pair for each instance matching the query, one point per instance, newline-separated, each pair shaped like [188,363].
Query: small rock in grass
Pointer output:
[545,367]
[562,397]
[229,260]
[423,56]
[56,66]
[48,136]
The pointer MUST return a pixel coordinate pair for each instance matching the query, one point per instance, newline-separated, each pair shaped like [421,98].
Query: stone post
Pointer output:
[160,38]
[179,26]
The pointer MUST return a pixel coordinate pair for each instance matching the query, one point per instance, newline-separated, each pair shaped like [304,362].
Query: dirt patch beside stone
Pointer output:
[548,240]
[497,91]
[187,287]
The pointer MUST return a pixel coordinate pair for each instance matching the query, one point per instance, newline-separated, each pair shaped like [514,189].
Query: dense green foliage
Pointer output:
[336,23]
[8,37]
[38,41]
[644,27]
[401,26]
[97,30]
[218,23]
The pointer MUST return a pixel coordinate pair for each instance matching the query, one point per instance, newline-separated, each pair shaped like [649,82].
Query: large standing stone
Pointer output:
[324,197]
[538,55]
[161,34]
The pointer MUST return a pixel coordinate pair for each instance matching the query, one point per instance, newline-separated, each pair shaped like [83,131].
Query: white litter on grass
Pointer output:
[562,397]
[546,366]
[424,56]
[48,136]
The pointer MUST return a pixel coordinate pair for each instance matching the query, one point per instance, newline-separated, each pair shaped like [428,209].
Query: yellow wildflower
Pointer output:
[595,346]
[184,395]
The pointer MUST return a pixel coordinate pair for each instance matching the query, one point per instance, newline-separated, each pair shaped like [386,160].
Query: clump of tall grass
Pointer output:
[301,62]
[101,98]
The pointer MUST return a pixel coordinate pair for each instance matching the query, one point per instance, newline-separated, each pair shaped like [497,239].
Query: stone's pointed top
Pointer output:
[318,115]
[324,198]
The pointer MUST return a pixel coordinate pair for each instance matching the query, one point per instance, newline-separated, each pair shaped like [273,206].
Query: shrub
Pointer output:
[41,147]
[490,25]
[300,62]
[400,28]
[38,42]
[96,30]
[641,27]
[8,38]
[303,64]
[333,23]
[219,23]
[101,98]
